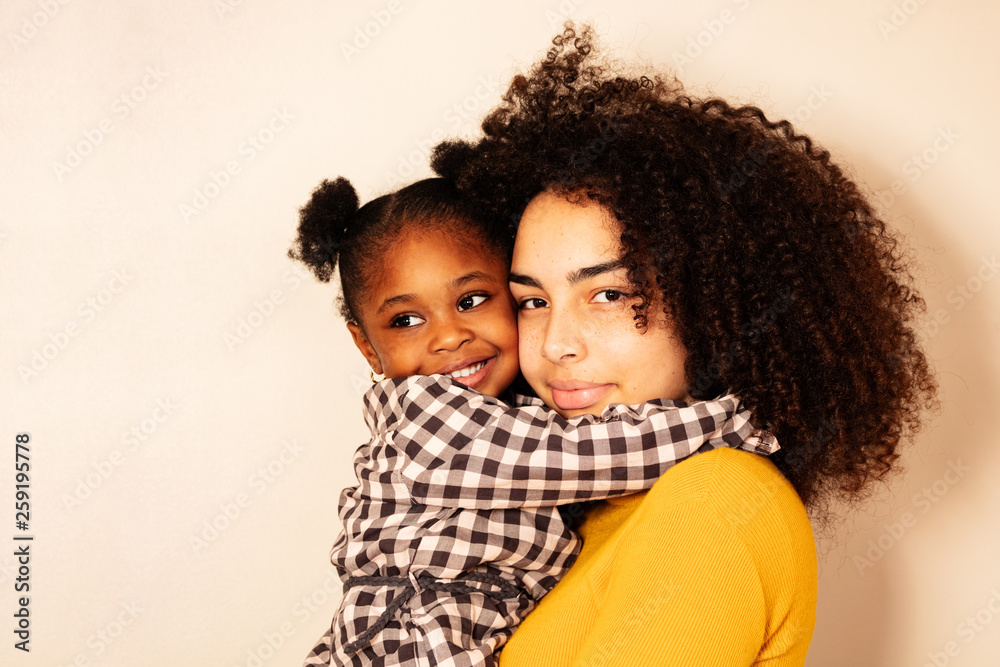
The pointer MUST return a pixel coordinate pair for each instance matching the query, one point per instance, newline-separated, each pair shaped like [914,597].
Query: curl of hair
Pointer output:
[323,225]
[333,231]
[778,275]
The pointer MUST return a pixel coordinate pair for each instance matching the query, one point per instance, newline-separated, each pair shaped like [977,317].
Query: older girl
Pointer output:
[741,260]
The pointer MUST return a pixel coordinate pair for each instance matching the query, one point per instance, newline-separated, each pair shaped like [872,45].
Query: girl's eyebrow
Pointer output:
[471,277]
[389,303]
[588,272]
[573,277]
[521,279]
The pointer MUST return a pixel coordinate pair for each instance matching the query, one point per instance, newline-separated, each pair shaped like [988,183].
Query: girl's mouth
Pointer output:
[473,374]
[578,398]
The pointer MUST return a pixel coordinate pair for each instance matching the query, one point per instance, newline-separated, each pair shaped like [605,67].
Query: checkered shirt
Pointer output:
[454,481]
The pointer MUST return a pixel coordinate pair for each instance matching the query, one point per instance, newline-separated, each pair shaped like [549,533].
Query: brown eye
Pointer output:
[405,321]
[471,301]
[532,304]
[610,295]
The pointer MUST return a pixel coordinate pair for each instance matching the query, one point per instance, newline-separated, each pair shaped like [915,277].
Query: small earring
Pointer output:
[371,374]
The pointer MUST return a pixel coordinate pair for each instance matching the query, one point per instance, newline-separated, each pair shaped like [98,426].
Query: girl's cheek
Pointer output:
[528,341]
[509,317]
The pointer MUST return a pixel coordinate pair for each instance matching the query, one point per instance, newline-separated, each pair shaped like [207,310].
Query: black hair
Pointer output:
[334,230]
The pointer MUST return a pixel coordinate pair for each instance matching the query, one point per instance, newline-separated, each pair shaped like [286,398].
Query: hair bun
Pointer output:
[324,224]
[450,159]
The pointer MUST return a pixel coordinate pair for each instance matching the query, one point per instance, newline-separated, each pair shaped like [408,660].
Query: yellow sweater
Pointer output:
[716,565]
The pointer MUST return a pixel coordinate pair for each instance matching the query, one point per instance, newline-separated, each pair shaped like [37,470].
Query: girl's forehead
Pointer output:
[451,244]
[430,262]
[556,234]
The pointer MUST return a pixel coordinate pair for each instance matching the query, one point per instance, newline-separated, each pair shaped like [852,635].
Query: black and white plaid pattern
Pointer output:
[454,481]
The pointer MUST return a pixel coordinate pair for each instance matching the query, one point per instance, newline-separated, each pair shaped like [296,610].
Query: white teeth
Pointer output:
[467,371]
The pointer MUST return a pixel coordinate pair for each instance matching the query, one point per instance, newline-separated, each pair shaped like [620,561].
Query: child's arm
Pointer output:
[461,448]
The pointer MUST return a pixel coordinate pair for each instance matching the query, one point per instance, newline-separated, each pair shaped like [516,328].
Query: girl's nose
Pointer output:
[563,340]
[450,333]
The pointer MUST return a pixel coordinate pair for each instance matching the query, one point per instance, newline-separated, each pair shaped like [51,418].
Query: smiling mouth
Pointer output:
[474,374]
[468,370]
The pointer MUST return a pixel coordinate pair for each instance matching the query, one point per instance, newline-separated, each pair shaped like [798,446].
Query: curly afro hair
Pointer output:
[781,280]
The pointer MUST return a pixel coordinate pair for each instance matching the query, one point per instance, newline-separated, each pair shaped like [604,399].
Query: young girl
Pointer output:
[452,534]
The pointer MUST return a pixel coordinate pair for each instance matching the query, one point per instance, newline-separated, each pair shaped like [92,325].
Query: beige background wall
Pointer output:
[192,399]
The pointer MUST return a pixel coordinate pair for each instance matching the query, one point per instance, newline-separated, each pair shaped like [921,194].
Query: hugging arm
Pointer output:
[463,449]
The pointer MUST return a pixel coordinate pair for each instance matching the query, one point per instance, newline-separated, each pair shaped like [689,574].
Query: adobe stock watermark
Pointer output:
[361,384]
[818,96]
[898,17]
[960,295]
[921,503]
[263,310]
[271,642]
[563,12]
[100,640]
[332,587]
[302,611]
[364,34]
[748,508]
[231,510]
[224,8]
[88,311]
[582,158]
[751,331]
[131,440]
[609,653]
[968,629]
[120,109]
[247,152]
[918,164]
[713,28]
[740,173]
[101,218]
[462,112]
[29,26]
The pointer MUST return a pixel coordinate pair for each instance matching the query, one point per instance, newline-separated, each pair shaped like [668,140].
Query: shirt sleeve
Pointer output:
[463,449]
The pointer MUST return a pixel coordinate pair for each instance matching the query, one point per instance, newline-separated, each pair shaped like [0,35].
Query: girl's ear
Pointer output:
[363,344]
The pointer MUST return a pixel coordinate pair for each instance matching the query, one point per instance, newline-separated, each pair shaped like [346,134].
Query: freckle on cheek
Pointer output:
[528,345]
[527,341]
